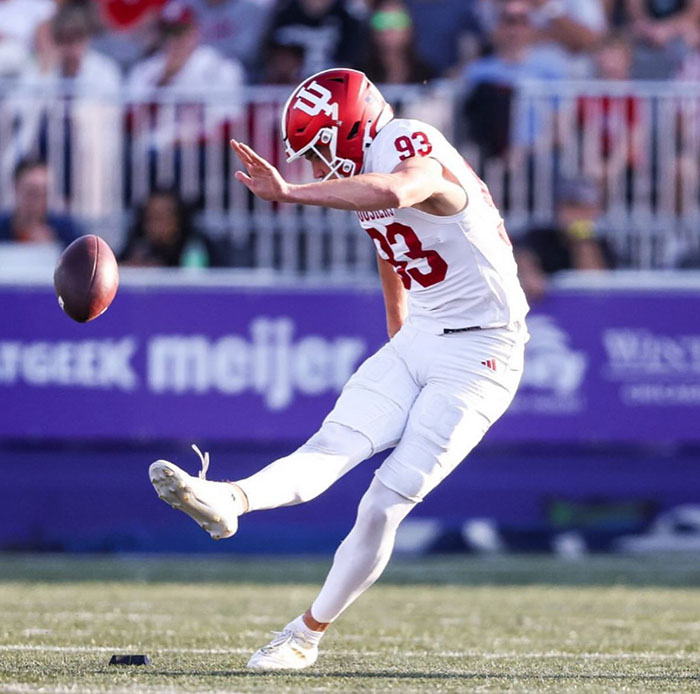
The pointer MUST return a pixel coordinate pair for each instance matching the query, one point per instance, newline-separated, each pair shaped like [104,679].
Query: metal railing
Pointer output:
[106,152]
[639,140]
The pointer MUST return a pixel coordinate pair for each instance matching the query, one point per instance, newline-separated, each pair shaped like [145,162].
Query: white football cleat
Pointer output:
[289,650]
[211,504]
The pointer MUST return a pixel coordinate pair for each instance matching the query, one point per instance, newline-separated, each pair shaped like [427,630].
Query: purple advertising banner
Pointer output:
[240,364]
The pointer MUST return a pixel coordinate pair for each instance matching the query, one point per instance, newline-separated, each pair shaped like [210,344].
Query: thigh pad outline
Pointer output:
[377,399]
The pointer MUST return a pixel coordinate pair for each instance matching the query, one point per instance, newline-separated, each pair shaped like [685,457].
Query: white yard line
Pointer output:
[645,655]
[117,649]
[18,688]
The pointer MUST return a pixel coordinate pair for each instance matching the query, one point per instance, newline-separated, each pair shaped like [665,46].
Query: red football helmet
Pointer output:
[340,108]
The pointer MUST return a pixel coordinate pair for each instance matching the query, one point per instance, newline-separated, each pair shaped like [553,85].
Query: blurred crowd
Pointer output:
[175,42]
[486,48]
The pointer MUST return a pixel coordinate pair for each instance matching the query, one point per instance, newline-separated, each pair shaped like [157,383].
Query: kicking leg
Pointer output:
[358,563]
[311,469]
[368,417]
[334,450]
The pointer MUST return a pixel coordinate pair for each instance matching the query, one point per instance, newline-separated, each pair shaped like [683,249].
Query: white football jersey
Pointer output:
[459,270]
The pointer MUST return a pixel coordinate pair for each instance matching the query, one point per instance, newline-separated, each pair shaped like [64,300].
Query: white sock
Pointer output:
[322,460]
[299,626]
[364,553]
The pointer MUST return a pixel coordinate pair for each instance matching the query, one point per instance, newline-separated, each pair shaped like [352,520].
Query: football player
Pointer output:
[455,317]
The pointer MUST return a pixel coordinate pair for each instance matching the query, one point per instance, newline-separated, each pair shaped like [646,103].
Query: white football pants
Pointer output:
[433,397]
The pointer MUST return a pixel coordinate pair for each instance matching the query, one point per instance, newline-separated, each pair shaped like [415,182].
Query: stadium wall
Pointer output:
[601,438]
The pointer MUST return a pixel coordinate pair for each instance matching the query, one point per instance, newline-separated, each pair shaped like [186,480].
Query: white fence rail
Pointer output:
[639,140]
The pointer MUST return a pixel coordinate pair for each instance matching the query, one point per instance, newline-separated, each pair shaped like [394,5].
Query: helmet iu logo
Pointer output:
[314,99]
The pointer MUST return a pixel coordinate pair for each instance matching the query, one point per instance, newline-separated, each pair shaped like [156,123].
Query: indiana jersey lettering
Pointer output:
[459,270]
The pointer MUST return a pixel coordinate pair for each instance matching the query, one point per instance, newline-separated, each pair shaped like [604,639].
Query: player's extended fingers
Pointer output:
[243,151]
[243,178]
[241,154]
[255,157]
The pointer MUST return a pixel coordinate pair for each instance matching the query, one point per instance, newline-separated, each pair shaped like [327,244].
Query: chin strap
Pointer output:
[204,457]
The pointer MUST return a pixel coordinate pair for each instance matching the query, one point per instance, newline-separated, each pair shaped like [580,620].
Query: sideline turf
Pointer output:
[520,624]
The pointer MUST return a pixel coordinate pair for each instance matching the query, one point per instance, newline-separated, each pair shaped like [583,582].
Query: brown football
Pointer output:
[86,278]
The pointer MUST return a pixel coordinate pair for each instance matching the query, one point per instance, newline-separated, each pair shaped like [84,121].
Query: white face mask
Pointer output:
[337,166]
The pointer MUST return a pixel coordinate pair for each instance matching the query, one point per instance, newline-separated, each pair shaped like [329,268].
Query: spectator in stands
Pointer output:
[183,61]
[67,112]
[236,28]
[283,64]
[613,57]
[207,89]
[615,13]
[73,57]
[128,29]
[570,244]
[72,29]
[490,81]
[665,33]
[392,55]
[20,19]
[30,220]
[22,26]
[448,33]
[330,31]
[571,30]
[610,125]
[163,234]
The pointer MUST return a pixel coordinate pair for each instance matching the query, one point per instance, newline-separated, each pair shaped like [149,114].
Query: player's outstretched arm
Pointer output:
[412,182]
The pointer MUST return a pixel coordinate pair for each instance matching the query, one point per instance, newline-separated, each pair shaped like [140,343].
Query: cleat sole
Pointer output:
[170,483]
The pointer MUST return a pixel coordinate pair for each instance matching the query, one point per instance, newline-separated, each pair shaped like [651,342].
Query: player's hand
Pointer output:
[262,178]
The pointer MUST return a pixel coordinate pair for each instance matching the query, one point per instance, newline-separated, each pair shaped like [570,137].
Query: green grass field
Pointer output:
[510,624]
